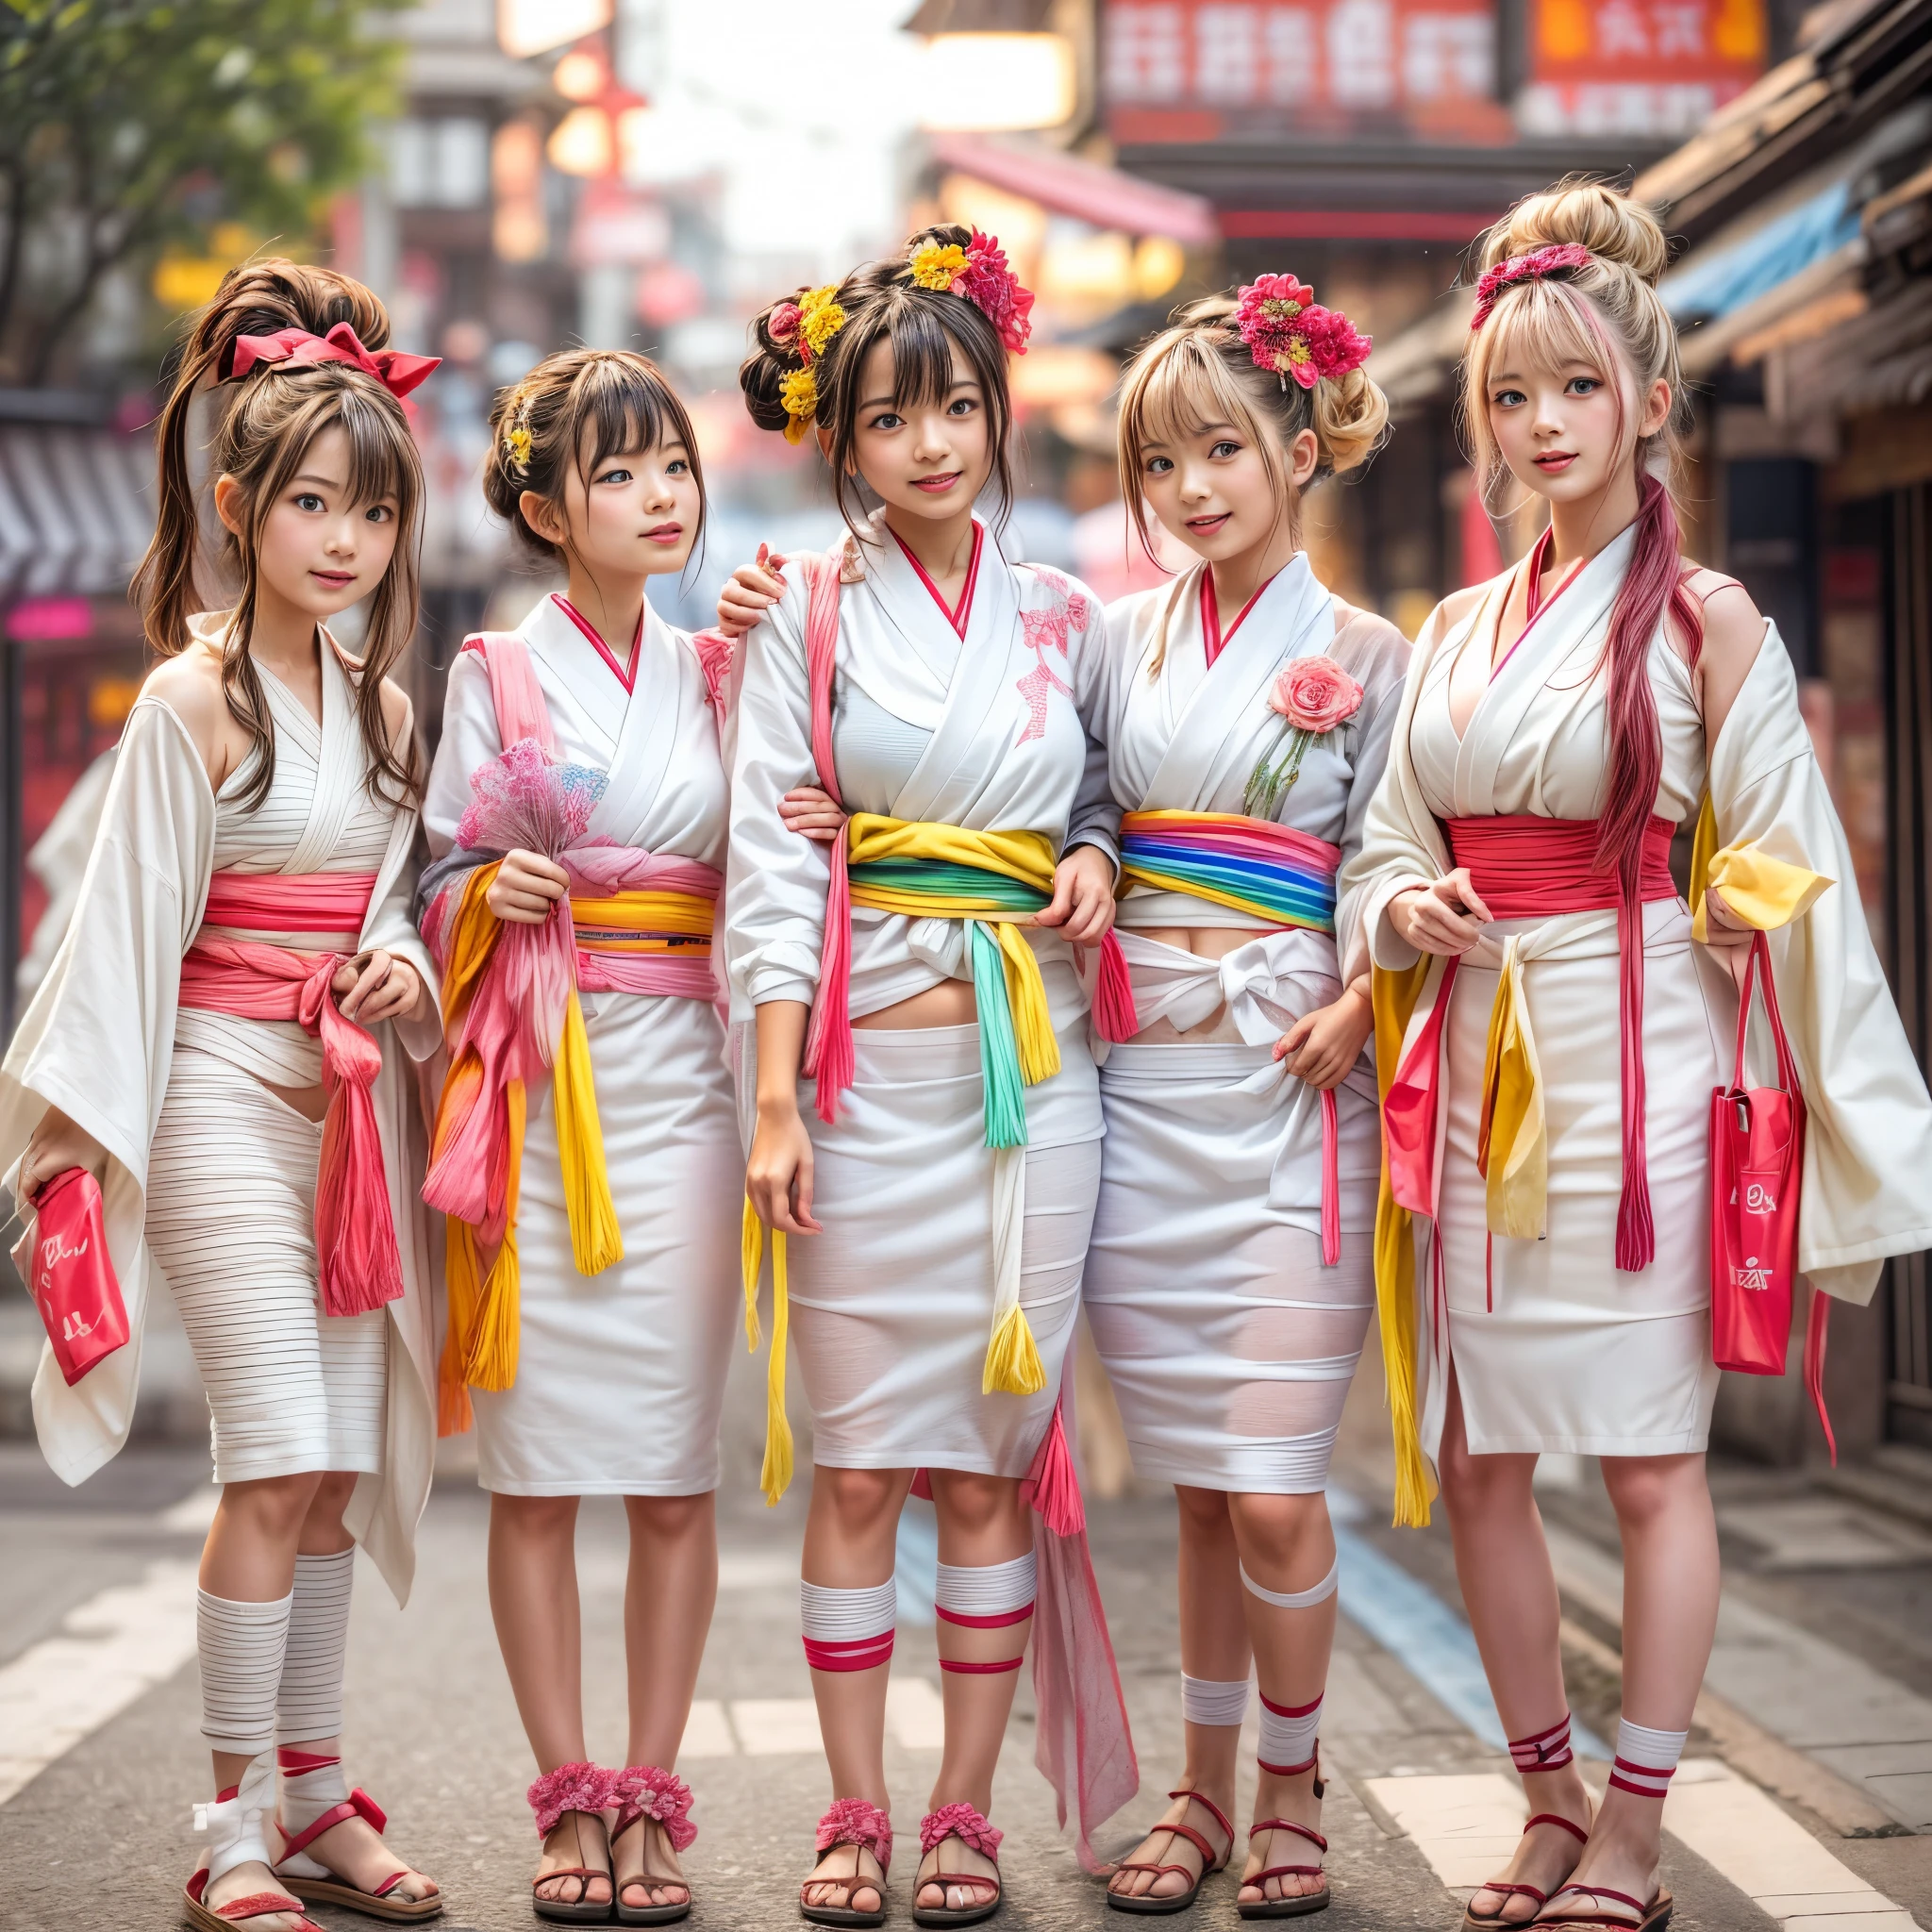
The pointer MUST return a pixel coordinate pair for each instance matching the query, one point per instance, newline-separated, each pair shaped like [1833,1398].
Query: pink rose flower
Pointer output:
[782,325]
[1315,694]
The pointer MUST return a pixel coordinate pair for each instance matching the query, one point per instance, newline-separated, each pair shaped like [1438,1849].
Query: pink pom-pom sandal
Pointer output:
[863,1826]
[576,1792]
[646,1794]
[970,1828]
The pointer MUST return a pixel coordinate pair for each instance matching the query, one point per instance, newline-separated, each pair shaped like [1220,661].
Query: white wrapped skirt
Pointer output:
[1229,1344]
[891,1305]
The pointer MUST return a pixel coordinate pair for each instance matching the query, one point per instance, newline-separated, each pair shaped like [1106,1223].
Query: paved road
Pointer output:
[96,1678]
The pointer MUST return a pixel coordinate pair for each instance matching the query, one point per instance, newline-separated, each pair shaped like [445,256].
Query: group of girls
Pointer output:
[1067,956]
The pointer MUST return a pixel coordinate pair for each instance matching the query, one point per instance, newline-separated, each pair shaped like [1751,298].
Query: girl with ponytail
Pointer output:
[1553,1017]
[222,1045]
[1230,1280]
[910,986]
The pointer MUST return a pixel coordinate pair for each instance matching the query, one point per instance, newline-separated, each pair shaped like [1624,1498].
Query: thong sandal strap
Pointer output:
[1314,1837]
[359,1804]
[1508,1886]
[1617,1921]
[1575,1831]
[1213,1810]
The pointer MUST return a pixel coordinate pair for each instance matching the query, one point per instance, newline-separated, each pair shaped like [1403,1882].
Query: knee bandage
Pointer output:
[1296,1599]
[240,1647]
[1210,1701]
[1547,1749]
[1646,1759]
[848,1629]
[308,1705]
[987,1596]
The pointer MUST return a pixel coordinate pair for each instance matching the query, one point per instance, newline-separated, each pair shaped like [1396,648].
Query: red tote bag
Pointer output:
[70,1275]
[1756,1172]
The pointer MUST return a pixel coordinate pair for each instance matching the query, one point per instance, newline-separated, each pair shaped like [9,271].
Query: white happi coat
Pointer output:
[1554,1347]
[98,1043]
[996,732]
[621,1375]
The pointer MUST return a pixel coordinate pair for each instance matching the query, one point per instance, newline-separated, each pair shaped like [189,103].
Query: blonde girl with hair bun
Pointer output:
[1230,1279]
[592,1295]
[1552,1019]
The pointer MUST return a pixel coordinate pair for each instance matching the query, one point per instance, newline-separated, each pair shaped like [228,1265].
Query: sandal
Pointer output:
[866,1828]
[1494,1922]
[973,1831]
[234,1826]
[1179,1901]
[645,1792]
[1653,1917]
[320,1780]
[582,1791]
[1303,1902]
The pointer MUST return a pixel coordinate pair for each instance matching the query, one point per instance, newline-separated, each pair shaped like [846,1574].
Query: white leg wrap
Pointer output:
[308,1705]
[236,1826]
[1288,1736]
[240,1647]
[1209,1700]
[988,1589]
[848,1629]
[306,1795]
[1296,1599]
[1646,1759]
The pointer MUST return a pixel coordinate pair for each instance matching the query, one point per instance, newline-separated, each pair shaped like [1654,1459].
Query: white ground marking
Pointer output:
[706,1732]
[916,1714]
[194,1514]
[1466,1827]
[758,1570]
[114,1648]
[773,1726]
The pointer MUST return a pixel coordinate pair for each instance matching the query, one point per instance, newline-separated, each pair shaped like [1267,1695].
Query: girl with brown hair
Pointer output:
[221,1043]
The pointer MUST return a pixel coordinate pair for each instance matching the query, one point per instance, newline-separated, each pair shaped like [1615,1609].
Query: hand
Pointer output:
[376,985]
[1445,917]
[1320,1047]
[811,813]
[778,1174]
[56,1146]
[752,591]
[526,886]
[1082,897]
[1722,928]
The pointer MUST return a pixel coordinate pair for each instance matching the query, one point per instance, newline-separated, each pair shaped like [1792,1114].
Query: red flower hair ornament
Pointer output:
[980,273]
[1290,334]
[1552,258]
[396,372]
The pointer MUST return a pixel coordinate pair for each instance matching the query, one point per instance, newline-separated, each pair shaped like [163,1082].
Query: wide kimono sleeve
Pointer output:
[775,881]
[1095,818]
[98,1041]
[1867,1144]
[1376,654]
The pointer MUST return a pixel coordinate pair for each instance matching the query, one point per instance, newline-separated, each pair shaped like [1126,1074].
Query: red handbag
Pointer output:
[70,1275]
[1756,1172]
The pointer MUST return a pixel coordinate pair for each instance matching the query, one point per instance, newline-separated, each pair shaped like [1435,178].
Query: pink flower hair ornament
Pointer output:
[982,275]
[1290,334]
[1560,258]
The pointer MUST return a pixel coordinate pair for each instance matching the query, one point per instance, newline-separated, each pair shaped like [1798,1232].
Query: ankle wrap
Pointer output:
[848,1629]
[240,1647]
[1547,1750]
[1210,1701]
[1646,1759]
[1288,1736]
[236,1822]
[987,1596]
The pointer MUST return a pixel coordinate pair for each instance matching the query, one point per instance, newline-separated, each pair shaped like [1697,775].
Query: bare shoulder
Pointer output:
[1733,624]
[398,713]
[1449,613]
[190,687]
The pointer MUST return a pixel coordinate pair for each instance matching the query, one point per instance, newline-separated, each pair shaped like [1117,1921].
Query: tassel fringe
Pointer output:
[751,1261]
[1012,1358]
[999,1052]
[595,1240]
[1114,1012]
[1032,1035]
[774,1478]
[1052,1486]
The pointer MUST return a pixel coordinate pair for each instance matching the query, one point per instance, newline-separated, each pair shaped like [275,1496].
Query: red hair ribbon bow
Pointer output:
[396,372]
[1532,267]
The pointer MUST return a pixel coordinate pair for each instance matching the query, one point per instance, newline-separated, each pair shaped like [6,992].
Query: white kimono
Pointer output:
[1230,1345]
[891,1305]
[211,1177]
[1554,1347]
[620,1378]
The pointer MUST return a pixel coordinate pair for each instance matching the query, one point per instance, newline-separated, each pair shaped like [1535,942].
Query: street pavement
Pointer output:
[1809,1778]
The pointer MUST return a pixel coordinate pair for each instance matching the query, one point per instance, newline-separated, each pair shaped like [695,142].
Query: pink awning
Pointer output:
[1068,186]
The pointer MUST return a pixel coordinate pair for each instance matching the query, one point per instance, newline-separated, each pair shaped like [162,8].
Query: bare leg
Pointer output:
[850,1536]
[667,1598]
[1287,1545]
[1214,1645]
[533,1597]
[1509,1590]
[1669,1617]
[982,1521]
[250,1559]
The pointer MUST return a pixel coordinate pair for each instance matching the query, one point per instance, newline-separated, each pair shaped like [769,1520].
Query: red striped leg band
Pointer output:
[1214,1700]
[848,1629]
[1547,1751]
[1296,1599]
[997,1621]
[961,1666]
[1646,1761]
[985,1597]
[1288,1736]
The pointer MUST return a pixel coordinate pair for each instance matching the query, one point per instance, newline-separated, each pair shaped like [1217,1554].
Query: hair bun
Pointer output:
[1204,311]
[1594,215]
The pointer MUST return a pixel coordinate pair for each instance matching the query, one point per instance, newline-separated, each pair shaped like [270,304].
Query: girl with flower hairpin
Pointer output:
[926,1149]
[586,1150]
[1230,1279]
[1552,1019]
[221,1043]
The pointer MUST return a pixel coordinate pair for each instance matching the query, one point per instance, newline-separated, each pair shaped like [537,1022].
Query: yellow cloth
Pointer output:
[1761,890]
[1395,999]
[1513,1144]
[644,923]
[776,1476]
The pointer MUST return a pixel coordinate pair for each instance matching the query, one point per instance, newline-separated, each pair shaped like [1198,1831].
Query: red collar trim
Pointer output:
[1535,602]
[958,619]
[1212,636]
[627,675]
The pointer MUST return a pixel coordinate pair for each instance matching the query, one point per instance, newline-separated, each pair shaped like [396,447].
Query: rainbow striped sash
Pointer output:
[1275,875]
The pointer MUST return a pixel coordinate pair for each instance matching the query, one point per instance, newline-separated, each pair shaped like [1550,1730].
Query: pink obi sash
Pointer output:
[357,1264]
[1525,866]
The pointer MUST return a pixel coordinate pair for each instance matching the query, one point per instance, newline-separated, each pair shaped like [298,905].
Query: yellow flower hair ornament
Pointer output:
[980,273]
[799,392]
[516,446]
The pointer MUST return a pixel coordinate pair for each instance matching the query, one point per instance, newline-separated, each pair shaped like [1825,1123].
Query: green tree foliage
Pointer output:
[130,125]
